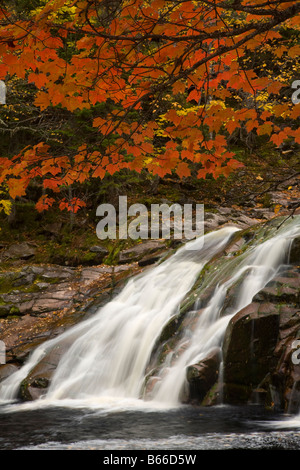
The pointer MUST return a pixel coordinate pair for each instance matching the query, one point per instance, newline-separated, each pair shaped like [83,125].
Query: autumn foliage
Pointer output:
[178,77]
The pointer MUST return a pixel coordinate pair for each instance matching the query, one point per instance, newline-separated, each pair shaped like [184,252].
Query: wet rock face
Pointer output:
[249,348]
[39,302]
[202,376]
[38,290]
[295,252]
[260,363]
[37,382]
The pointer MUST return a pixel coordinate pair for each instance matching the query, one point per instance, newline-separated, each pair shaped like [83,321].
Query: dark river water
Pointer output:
[186,428]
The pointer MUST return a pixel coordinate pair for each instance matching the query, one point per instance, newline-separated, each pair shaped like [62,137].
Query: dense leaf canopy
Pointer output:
[175,79]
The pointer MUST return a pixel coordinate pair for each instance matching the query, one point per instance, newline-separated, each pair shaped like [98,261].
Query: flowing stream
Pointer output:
[105,357]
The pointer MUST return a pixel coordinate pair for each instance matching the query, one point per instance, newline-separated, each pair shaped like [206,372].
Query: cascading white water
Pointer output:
[107,354]
[259,266]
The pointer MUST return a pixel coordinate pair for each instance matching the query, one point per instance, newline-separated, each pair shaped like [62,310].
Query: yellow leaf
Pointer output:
[277,208]
[6,206]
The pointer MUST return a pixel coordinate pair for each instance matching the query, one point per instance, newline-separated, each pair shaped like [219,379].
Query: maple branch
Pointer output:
[253,9]
[124,57]
[159,87]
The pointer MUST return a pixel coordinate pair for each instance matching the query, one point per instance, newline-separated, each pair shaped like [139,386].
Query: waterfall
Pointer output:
[108,352]
[106,355]
[259,266]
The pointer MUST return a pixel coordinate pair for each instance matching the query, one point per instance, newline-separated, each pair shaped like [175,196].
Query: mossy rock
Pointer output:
[15,311]
[4,310]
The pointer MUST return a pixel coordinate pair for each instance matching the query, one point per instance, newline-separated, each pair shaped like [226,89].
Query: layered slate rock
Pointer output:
[39,302]
[144,253]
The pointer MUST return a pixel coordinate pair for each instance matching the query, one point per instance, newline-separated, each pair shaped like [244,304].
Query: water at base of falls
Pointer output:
[106,356]
[184,428]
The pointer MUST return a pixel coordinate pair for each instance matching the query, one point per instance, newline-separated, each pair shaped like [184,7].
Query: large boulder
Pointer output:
[19,251]
[38,380]
[249,346]
[202,376]
[259,347]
